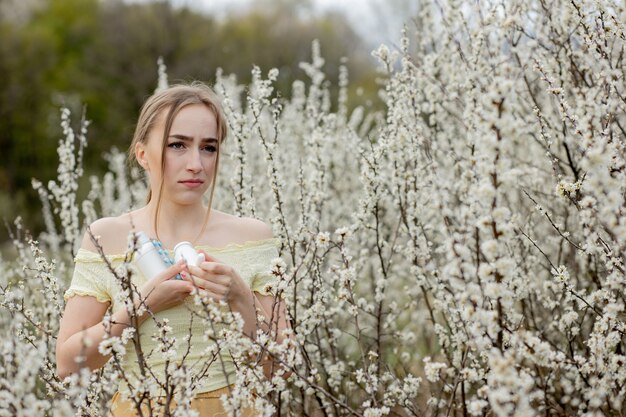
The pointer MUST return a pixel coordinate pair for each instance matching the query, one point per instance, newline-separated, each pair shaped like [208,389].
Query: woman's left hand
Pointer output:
[218,280]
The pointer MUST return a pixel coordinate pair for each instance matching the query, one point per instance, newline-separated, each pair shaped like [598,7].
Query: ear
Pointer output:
[140,155]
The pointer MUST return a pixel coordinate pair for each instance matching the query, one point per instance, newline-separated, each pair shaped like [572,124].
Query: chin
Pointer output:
[188,199]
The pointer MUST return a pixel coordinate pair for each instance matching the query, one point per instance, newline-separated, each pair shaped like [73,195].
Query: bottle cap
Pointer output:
[185,250]
[142,237]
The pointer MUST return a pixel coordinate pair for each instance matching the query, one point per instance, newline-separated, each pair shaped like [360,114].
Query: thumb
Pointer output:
[171,271]
[207,257]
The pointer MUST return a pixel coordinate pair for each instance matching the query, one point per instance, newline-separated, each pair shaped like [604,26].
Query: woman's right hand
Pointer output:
[163,292]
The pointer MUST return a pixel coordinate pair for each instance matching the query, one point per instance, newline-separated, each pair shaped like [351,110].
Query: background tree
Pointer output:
[101,56]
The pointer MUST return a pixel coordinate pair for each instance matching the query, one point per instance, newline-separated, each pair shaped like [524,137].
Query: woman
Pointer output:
[177,142]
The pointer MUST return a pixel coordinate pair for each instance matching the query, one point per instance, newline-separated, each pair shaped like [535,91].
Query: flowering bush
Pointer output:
[460,253]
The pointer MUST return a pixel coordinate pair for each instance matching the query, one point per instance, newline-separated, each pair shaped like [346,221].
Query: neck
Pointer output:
[176,222]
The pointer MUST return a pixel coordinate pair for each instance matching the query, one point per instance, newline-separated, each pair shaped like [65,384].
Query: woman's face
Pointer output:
[190,154]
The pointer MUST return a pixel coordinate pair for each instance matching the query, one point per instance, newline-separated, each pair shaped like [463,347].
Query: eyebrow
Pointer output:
[189,139]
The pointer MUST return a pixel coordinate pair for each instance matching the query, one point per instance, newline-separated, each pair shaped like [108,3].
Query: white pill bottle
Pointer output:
[185,250]
[147,257]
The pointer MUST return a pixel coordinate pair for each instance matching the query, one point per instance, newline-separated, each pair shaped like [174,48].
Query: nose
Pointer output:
[194,162]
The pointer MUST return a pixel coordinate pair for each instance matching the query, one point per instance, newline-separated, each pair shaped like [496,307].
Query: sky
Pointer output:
[377,21]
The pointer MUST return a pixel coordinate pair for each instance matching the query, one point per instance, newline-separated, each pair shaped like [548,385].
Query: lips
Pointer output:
[191,183]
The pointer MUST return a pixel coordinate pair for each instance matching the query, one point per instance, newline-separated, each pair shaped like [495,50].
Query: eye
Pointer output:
[210,148]
[176,145]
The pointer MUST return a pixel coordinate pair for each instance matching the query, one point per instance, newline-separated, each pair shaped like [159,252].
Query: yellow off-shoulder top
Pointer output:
[91,277]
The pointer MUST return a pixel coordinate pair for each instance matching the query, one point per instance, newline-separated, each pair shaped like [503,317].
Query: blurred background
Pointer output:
[99,57]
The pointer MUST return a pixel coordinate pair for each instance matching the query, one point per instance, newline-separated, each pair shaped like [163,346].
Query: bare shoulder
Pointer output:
[254,229]
[247,228]
[111,233]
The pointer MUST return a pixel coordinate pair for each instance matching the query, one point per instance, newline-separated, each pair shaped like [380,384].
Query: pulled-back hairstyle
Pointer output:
[172,100]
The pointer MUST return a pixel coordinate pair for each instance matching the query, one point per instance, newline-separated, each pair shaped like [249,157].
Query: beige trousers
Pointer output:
[208,404]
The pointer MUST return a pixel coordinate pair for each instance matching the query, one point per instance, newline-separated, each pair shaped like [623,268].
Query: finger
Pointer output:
[196,271]
[202,281]
[206,276]
[198,277]
[208,258]
[194,280]
[208,270]
[171,271]
[187,277]
[212,286]
[216,268]
[207,294]
[178,286]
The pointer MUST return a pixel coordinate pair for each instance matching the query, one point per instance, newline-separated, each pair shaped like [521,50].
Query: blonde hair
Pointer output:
[173,99]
